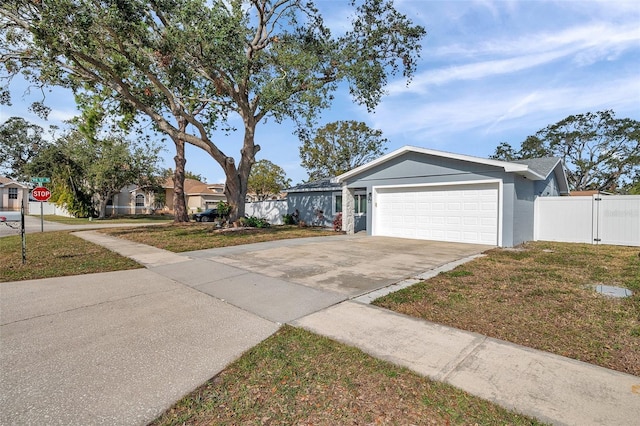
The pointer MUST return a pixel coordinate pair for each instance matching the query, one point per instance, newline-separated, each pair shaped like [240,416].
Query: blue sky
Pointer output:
[490,71]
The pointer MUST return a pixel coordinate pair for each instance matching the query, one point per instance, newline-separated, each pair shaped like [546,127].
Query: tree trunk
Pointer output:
[102,207]
[237,178]
[235,192]
[179,201]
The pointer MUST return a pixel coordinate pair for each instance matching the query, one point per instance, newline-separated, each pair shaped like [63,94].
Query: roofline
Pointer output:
[21,185]
[508,167]
[319,189]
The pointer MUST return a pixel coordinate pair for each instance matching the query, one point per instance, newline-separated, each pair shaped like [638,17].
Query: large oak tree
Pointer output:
[190,65]
[20,142]
[600,151]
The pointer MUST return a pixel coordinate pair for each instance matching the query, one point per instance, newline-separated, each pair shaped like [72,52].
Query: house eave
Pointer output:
[521,169]
[319,189]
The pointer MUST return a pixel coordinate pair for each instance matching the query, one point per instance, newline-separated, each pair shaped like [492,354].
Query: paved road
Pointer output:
[33,225]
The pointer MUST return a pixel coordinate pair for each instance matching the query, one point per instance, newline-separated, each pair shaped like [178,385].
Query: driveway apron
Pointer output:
[347,265]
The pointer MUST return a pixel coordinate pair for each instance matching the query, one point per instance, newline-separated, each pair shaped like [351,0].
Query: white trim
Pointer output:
[499,182]
[508,167]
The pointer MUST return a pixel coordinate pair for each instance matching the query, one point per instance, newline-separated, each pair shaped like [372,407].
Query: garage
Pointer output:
[425,194]
[466,213]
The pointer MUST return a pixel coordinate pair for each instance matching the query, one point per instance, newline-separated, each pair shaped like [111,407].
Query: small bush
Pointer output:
[254,222]
[287,219]
[337,223]
[223,208]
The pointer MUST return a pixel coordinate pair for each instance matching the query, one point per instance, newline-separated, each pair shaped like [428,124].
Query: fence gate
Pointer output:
[600,219]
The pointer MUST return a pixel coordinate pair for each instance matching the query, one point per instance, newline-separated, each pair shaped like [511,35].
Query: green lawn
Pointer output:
[56,254]
[540,295]
[200,236]
[145,218]
[299,378]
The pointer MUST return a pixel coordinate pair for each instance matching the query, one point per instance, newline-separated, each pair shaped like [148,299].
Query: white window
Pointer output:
[337,204]
[13,193]
[139,200]
[360,203]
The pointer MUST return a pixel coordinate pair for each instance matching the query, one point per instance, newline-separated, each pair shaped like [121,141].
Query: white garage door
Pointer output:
[456,213]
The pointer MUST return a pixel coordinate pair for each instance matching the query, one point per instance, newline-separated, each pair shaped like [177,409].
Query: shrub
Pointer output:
[223,208]
[337,223]
[287,219]
[254,222]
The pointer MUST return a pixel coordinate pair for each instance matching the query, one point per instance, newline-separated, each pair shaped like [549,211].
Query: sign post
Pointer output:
[42,194]
[23,235]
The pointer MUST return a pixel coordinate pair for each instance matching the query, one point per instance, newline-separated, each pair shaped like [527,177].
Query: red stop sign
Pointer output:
[41,193]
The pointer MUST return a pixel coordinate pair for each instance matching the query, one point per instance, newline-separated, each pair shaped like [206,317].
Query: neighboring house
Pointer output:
[587,193]
[133,200]
[12,194]
[199,196]
[427,194]
[130,200]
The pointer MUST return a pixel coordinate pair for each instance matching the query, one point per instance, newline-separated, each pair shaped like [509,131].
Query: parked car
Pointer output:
[206,216]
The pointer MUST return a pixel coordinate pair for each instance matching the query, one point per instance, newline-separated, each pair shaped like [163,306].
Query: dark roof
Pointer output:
[543,166]
[316,185]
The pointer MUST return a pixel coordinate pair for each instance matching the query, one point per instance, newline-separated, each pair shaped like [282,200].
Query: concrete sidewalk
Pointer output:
[114,348]
[271,298]
[551,388]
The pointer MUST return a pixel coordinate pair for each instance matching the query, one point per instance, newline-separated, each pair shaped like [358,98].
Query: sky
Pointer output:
[489,72]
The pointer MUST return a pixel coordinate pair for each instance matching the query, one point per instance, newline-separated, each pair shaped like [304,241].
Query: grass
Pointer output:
[540,295]
[296,377]
[198,236]
[56,254]
[144,218]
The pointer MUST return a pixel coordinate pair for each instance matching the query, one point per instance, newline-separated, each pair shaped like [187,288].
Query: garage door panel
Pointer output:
[448,213]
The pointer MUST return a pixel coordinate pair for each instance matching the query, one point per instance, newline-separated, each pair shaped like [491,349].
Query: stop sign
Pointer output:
[41,193]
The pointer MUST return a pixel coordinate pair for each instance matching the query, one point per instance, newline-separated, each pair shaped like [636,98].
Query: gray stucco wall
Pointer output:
[307,203]
[523,210]
[548,187]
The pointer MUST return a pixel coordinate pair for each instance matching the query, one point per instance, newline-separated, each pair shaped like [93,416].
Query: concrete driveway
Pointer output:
[348,265]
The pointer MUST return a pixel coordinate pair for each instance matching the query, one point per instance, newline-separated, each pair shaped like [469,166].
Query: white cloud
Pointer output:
[583,45]
[63,114]
[505,108]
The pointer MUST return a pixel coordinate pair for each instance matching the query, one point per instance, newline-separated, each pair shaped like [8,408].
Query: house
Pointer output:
[12,194]
[421,193]
[133,200]
[199,196]
[130,200]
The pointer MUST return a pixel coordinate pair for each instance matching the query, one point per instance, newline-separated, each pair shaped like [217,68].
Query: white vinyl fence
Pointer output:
[600,219]
[47,208]
[271,210]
